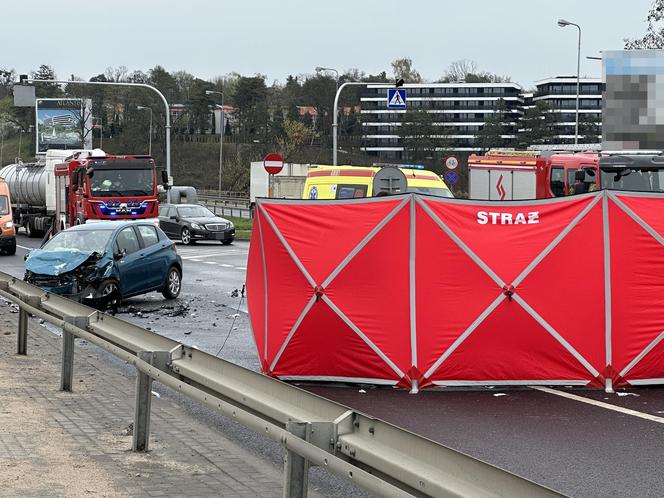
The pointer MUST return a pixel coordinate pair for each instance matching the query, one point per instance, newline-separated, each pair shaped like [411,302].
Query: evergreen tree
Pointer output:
[491,133]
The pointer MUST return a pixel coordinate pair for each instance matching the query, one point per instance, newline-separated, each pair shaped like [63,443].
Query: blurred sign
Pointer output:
[396,98]
[451,162]
[63,124]
[24,95]
[451,177]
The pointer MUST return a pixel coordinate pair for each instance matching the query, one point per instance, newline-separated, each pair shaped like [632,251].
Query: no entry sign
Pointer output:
[273,163]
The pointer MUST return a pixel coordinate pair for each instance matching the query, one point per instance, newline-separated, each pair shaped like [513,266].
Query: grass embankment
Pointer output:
[242,227]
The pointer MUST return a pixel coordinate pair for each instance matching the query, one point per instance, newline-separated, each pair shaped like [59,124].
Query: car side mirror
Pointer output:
[173,218]
[164,180]
[119,255]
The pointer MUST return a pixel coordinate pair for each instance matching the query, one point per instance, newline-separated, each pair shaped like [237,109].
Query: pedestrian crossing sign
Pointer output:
[396,98]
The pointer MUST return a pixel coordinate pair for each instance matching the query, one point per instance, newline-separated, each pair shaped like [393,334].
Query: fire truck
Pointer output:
[513,175]
[73,187]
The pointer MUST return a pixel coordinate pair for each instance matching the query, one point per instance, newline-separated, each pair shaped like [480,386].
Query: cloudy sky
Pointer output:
[519,38]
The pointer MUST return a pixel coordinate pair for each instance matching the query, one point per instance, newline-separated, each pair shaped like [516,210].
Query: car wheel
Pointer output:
[227,242]
[30,230]
[109,293]
[11,251]
[173,283]
[185,236]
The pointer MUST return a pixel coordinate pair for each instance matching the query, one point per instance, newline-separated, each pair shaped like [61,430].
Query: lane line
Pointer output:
[600,404]
[210,262]
[26,248]
[226,266]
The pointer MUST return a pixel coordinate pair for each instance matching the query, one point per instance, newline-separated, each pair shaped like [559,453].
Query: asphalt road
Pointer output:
[575,447]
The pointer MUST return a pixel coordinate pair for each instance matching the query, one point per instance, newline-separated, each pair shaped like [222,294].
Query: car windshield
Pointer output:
[80,240]
[440,192]
[639,180]
[194,212]
[122,182]
[4,205]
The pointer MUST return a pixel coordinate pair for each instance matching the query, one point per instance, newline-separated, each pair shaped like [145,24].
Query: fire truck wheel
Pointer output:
[185,236]
[173,283]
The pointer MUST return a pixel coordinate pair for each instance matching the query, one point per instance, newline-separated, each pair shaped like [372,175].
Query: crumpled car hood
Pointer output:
[55,263]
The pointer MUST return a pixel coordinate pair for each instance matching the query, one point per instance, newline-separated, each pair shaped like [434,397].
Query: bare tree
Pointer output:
[116,73]
[654,37]
[458,70]
[466,71]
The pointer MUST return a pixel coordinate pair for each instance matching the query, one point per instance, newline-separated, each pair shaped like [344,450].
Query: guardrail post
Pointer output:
[296,468]
[67,371]
[141,437]
[22,336]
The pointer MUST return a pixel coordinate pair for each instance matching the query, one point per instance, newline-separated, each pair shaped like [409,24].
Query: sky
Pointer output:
[518,38]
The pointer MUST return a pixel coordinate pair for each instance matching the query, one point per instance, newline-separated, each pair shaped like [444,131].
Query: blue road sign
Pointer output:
[396,98]
[451,177]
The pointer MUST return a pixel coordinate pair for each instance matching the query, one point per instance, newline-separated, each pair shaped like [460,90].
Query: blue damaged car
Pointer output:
[106,262]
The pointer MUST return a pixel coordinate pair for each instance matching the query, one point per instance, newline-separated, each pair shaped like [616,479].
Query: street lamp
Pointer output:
[221,133]
[100,125]
[140,85]
[563,23]
[143,108]
[319,69]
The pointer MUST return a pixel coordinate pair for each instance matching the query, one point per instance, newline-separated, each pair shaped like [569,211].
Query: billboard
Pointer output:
[633,103]
[63,124]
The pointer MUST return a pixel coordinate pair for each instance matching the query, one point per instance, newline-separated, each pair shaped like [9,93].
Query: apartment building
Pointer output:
[559,93]
[460,111]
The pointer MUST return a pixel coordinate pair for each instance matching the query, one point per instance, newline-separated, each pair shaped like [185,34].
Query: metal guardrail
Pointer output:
[224,206]
[375,455]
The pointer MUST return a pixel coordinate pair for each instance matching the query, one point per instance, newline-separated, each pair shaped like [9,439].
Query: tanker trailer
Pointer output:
[33,202]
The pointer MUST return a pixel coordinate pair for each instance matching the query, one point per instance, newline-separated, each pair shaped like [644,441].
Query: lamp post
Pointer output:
[2,142]
[563,23]
[320,68]
[100,125]
[143,108]
[335,112]
[221,133]
[139,85]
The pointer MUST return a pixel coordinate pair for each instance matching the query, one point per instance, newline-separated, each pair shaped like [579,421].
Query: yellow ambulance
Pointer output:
[7,229]
[349,182]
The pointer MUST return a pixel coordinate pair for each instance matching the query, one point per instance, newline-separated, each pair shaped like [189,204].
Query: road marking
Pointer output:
[210,262]
[26,248]
[211,255]
[600,404]
[241,268]
[226,266]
